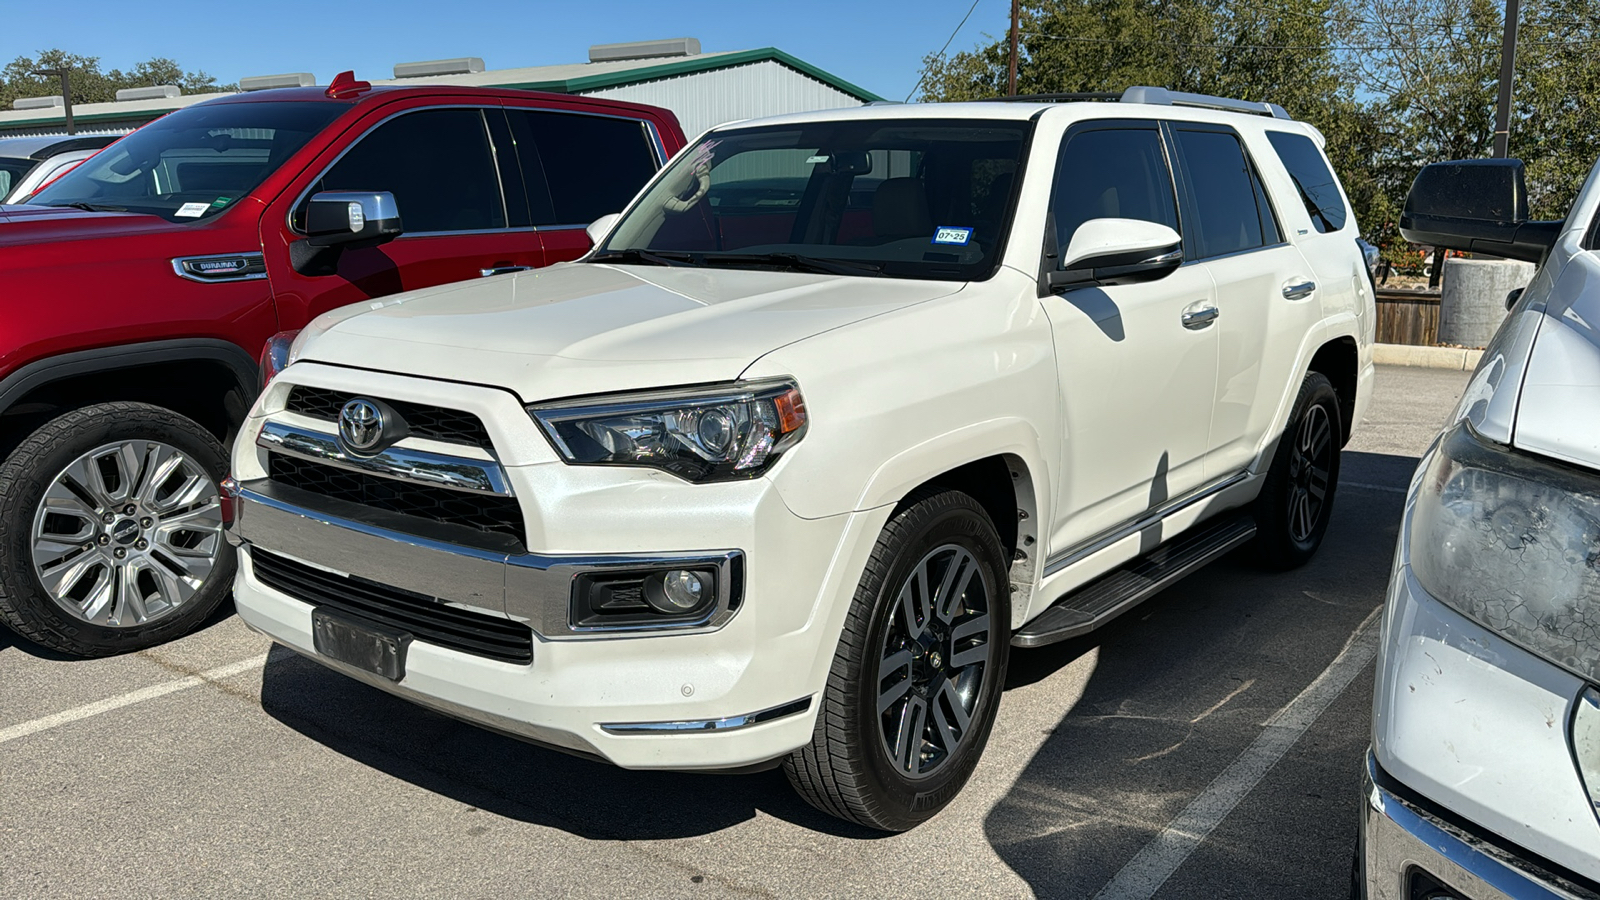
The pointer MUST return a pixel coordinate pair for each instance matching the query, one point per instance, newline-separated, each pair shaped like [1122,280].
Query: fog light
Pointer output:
[683,590]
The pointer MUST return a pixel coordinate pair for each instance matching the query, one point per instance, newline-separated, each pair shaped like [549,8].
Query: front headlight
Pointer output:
[1513,542]
[714,433]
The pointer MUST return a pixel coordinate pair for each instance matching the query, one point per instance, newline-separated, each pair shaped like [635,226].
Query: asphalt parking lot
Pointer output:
[1206,745]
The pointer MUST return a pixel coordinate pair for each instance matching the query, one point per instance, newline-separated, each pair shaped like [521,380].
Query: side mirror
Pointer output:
[599,228]
[1478,206]
[1105,252]
[352,219]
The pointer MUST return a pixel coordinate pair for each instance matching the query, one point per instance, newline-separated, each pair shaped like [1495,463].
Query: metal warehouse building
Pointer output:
[703,89]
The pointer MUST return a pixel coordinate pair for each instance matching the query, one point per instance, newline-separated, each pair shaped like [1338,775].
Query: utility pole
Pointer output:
[65,74]
[1508,63]
[1010,82]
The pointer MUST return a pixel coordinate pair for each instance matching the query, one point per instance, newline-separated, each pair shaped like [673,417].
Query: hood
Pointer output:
[29,224]
[1558,412]
[583,328]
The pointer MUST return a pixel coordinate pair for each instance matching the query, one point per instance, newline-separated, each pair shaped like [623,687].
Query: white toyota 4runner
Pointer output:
[840,409]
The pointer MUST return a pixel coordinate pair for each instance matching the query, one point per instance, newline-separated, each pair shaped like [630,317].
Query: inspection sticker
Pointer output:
[192,210]
[948,234]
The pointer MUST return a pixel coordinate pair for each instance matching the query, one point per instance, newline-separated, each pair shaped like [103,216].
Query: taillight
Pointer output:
[275,355]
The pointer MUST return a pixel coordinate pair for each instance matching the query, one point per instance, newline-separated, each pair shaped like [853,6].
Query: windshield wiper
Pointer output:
[88,207]
[644,257]
[796,262]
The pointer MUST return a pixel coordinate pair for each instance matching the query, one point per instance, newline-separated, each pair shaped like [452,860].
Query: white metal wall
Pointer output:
[704,99]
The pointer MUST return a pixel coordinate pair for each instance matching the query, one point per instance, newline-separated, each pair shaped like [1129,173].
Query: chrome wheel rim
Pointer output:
[932,661]
[127,533]
[1310,471]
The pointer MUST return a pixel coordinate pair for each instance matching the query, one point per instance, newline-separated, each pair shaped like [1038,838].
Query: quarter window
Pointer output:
[437,163]
[1317,187]
[580,167]
[1112,173]
[1230,212]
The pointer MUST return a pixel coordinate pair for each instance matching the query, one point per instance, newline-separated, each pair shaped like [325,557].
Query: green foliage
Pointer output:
[1392,84]
[90,84]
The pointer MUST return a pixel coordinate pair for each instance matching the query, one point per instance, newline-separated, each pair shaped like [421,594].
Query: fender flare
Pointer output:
[42,372]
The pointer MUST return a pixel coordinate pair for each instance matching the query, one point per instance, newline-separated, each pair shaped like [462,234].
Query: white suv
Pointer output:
[843,407]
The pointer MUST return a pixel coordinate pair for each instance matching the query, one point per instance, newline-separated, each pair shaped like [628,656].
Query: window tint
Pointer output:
[1319,190]
[1112,173]
[1227,217]
[579,168]
[436,162]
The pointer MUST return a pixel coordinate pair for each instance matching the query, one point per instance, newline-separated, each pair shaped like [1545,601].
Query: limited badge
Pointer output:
[949,234]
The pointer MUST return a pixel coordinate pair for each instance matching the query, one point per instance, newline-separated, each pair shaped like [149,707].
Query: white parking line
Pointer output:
[1154,864]
[1373,487]
[150,693]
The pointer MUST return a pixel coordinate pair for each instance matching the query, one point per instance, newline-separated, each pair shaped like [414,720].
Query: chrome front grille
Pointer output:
[433,422]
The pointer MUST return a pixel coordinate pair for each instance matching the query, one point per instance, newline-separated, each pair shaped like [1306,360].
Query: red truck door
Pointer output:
[461,202]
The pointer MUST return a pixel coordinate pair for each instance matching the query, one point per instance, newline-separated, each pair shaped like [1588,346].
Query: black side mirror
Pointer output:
[336,220]
[1479,206]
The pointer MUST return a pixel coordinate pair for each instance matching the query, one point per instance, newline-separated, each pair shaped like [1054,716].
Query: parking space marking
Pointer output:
[44,723]
[1373,487]
[1156,861]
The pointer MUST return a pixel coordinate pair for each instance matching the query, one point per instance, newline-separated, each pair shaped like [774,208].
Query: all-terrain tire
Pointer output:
[1296,501]
[30,469]
[847,769]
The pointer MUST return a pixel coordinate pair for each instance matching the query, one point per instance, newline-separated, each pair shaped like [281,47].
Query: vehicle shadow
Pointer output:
[1180,687]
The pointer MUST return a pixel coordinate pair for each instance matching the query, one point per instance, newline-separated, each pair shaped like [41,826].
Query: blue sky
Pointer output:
[878,45]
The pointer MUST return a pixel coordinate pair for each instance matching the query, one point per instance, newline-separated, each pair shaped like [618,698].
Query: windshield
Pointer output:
[193,163]
[905,198]
[11,171]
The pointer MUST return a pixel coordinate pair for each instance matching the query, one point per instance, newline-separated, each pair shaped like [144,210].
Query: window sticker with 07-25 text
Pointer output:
[952,235]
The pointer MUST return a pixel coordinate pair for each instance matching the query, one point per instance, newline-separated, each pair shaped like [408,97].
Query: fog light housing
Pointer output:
[672,594]
[680,591]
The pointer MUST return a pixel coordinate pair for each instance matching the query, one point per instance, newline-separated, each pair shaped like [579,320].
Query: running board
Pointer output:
[1113,594]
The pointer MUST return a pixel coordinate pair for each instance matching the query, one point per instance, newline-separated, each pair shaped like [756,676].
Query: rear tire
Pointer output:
[1296,501]
[118,506]
[916,681]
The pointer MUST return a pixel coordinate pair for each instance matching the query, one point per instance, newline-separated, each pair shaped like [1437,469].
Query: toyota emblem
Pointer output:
[361,425]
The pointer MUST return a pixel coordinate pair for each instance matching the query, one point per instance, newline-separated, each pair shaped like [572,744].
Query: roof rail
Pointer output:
[1163,97]
[1157,96]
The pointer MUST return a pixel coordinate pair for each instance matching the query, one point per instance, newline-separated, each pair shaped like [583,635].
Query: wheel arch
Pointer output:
[1339,359]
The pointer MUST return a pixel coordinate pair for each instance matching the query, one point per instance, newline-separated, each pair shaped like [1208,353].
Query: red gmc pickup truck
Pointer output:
[140,288]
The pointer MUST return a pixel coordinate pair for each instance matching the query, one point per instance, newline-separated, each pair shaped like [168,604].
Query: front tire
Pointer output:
[916,682]
[1296,501]
[111,530]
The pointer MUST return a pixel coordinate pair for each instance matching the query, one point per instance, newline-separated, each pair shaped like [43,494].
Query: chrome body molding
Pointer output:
[458,473]
[728,723]
[529,587]
[1105,539]
[221,268]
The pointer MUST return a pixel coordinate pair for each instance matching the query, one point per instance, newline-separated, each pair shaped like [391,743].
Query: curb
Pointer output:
[1457,358]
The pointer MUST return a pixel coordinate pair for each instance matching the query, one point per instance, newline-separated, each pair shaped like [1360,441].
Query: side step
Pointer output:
[1114,593]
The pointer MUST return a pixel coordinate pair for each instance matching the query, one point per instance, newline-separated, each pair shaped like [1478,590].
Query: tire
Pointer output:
[1291,518]
[125,581]
[864,765]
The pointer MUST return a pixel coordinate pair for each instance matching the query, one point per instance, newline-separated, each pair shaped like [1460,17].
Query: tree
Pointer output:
[90,84]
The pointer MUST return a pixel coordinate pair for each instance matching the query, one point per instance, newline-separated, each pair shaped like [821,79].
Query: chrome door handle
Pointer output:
[1194,320]
[1299,290]
[502,270]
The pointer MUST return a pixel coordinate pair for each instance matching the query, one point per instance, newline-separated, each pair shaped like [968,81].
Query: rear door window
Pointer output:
[437,163]
[1315,183]
[580,167]
[1118,173]
[1228,211]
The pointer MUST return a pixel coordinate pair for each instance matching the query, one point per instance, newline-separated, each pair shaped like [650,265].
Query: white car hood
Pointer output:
[1558,412]
[582,328]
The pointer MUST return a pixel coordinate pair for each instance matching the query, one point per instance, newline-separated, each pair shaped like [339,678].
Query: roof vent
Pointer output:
[268,82]
[645,50]
[154,92]
[465,65]
[38,102]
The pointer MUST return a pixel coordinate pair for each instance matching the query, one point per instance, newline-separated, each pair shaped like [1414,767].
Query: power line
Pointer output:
[924,76]
[1332,47]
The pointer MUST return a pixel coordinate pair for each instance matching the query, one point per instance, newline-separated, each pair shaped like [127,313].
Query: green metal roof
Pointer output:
[690,65]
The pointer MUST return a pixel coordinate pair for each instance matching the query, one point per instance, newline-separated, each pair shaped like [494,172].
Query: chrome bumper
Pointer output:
[1400,838]
[528,587]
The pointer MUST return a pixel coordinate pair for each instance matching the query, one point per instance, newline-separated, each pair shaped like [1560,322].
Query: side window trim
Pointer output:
[1186,198]
[1168,158]
[482,113]
[658,151]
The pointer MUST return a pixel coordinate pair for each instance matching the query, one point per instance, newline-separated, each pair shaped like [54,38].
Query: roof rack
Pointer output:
[1157,96]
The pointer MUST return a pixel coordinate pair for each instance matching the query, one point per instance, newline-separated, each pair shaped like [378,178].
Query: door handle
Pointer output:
[1196,319]
[502,270]
[1299,290]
